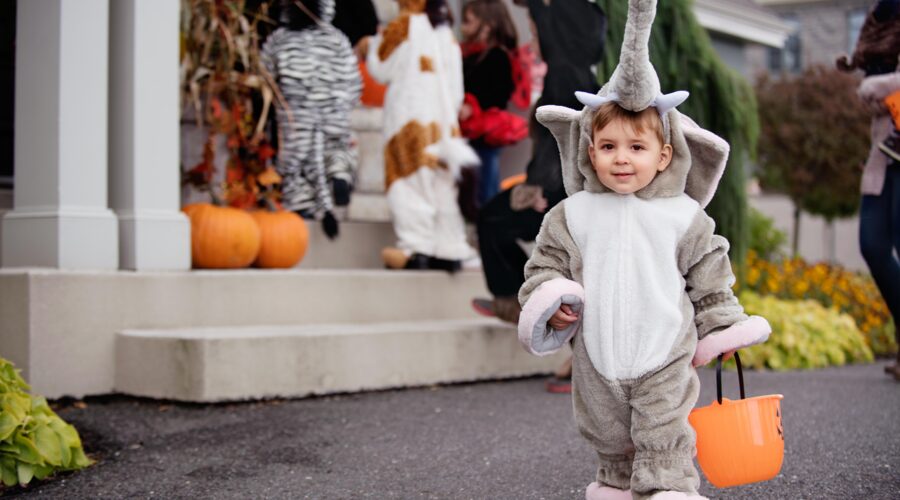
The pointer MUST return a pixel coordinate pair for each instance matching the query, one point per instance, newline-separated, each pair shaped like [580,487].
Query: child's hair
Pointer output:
[297,18]
[639,121]
[438,12]
[495,15]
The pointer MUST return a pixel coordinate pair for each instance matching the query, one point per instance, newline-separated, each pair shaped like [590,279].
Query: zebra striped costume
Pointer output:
[316,71]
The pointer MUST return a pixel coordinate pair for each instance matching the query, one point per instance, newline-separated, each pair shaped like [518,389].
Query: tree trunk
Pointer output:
[830,245]
[795,243]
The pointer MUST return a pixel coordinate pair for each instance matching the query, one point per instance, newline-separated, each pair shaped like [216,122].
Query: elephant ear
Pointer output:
[565,125]
[709,155]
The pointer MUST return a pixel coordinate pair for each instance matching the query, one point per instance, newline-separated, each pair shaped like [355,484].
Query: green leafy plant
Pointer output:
[765,239]
[34,441]
[721,101]
[804,335]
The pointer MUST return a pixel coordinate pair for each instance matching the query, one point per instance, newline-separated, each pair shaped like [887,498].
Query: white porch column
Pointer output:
[60,217]
[143,135]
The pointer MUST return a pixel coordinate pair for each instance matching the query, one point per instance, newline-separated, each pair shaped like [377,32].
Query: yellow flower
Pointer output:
[753,275]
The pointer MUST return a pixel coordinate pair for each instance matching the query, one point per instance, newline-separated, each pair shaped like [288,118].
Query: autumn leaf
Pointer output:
[268,177]
[265,152]
[234,174]
[216,108]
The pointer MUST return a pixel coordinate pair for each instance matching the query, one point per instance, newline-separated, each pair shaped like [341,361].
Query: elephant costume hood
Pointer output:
[699,156]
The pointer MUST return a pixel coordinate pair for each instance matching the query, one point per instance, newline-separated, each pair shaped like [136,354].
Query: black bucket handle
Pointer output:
[737,360]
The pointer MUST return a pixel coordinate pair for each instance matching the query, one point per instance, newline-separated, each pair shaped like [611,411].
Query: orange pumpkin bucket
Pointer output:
[739,442]
[893,104]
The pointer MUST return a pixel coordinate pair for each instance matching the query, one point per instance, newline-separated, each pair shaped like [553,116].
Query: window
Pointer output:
[787,59]
[855,19]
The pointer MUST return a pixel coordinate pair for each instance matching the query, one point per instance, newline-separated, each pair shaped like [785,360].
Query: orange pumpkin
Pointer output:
[285,238]
[190,207]
[222,237]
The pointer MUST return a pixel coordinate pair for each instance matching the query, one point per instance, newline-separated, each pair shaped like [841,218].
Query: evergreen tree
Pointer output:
[721,101]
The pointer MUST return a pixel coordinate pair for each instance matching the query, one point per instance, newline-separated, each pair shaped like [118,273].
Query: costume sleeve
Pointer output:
[387,48]
[267,54]
[453,69]
[721,323]
[548,284]
[347,60]
[874,89]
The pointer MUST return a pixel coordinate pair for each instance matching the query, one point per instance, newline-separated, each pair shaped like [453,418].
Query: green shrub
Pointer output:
[832,286]
[765,239]
[34,441]
[804,335]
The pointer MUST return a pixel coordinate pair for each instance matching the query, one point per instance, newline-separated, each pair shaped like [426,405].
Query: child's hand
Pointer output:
[563,317]
[727,355]
[540,204]
[465,112]
[362,48]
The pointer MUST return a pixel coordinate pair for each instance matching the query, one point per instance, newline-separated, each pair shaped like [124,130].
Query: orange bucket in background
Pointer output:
[372,92]
[512,181]
[893,104]
[739,442]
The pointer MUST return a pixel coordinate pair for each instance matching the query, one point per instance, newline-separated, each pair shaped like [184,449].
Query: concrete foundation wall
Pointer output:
[59,326]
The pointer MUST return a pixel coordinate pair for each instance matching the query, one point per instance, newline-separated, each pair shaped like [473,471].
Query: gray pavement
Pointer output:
[496,440]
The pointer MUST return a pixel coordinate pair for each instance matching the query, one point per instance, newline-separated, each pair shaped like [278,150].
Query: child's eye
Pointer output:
[606,147]
[637,147]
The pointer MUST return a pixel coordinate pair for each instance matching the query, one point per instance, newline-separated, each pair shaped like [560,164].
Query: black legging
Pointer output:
[503,261]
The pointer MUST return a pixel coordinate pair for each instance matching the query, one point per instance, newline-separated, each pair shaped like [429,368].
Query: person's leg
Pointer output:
[341,156]
[879,236]
[892,182]
[663,438]
[502,259]
[603,417]
[489,173]
[468,193]
[413,214]
[297,193]
[450,242]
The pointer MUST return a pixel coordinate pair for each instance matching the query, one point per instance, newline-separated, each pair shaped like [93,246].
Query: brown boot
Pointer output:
[507,309]
[394,258]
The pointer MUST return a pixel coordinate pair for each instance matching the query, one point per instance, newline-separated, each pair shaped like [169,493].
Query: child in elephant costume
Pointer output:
[629,269]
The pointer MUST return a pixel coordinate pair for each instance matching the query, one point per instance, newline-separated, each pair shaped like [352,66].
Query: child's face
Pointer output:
[626,161]
[472,29]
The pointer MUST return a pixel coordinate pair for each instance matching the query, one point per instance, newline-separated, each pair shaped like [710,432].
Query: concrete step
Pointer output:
[60,327]
[358,246]
[235,363]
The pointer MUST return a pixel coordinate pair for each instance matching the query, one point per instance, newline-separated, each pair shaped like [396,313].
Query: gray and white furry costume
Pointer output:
[649,279]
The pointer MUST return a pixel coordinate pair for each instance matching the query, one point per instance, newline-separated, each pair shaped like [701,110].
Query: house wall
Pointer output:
[824,26]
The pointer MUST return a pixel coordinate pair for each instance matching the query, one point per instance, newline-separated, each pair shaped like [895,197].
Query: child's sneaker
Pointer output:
[891,146]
